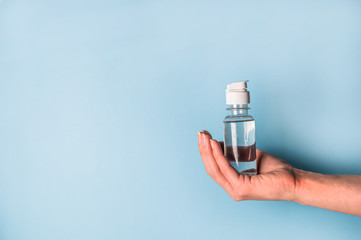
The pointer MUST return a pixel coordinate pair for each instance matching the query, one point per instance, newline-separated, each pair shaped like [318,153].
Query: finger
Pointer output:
[199,137]
[210,136]
[211,165]
[226,169]
[206,132]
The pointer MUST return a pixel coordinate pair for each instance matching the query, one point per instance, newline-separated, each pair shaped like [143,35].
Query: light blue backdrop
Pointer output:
[100,102]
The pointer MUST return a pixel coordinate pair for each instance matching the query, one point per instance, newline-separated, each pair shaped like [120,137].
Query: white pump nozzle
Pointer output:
[236,93]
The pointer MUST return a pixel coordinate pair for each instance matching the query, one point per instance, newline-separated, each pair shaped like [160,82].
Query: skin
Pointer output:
[279,181]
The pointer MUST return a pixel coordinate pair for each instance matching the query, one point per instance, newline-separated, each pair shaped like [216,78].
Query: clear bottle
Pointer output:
[239,130]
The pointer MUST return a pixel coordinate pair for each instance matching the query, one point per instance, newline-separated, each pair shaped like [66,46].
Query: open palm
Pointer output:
[275,180]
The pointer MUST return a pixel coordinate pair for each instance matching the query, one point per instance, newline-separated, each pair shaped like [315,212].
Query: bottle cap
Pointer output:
[236,93]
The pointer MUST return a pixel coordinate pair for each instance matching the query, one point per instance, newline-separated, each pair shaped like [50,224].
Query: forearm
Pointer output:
[340,193]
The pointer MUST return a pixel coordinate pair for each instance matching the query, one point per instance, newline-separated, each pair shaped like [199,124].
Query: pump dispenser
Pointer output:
[239,130]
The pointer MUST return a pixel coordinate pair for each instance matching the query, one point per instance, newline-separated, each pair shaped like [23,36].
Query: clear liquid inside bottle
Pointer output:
[240,140]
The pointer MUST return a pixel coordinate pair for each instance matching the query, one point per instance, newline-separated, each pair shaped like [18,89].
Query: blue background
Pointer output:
[100,102]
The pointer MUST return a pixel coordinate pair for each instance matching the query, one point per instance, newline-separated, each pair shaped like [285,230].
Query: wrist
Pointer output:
[307,186]
[300,184]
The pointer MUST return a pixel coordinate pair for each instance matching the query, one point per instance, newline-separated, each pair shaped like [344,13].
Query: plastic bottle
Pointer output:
[239,130]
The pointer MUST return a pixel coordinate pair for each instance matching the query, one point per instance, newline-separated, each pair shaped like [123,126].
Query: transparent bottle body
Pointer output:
[240,140]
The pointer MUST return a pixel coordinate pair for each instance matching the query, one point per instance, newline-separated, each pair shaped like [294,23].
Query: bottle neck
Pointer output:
[238,109]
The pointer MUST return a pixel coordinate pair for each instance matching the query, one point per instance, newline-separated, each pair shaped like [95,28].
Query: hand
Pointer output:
[276,179]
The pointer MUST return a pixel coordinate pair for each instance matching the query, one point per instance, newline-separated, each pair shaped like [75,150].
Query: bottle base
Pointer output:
[247,168]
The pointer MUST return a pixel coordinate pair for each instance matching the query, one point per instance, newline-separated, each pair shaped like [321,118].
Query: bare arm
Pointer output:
[277,180]
[341,193]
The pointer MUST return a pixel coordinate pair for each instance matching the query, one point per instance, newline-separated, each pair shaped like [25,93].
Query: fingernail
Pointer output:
[199,136]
